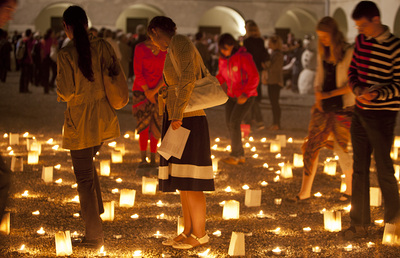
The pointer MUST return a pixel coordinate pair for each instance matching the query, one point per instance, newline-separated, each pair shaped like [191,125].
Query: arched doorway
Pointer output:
[340,17]
[221,19]
[396,26]
[51,17]
[135,15]
[297,21]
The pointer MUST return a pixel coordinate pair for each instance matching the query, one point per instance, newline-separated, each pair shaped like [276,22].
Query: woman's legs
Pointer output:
[274,94]
[306,185]
[194,215]
[89,191]
[346,164]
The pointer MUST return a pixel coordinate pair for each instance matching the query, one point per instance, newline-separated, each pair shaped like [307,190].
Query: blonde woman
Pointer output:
[331,113]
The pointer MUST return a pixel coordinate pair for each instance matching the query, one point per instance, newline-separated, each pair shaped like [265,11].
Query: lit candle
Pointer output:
[265,165]
[50,141]
[379,222]
[255,156]
[22,249]
[204,254]
[347,208]
[277,251]
[245,187]
[348,248]
[217,139]
[58,181]
[5,135]
[135,216]
[278,156]
[158,234]
[160,203]
[25,194]
[290,140]
[75,199]
[161,216]
[126,136]
[307,229]
[217,233]
[137,253]
[251,139]
[228,189]
[228,148]
[118,180]
[74,186]
[74,234]
[276,179]
[253,149]
[263,183]
[370,244]
[263,139]
[102,252]
[26,134]
[278,201]
[76,215]
[214,147]
[36,213]
[247,145]
[41,231]
[318,194]
[261,215]
[277,230]
[316,249]
[222,203]
[115,190]
[112,144]
[55,147]
[58,166]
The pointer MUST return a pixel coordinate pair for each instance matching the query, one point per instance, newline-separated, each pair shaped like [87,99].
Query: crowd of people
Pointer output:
[356,98]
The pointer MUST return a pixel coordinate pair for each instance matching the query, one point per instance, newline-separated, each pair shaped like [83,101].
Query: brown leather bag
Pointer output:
[115,83]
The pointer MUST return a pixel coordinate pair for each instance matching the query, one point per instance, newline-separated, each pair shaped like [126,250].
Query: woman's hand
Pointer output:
[242,99]
[150,95]
[175,124]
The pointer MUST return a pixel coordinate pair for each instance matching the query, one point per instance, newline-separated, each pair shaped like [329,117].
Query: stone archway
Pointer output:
[135,15]
[340,17]
[51,17]
[396,25]
[221,19]
[298,21]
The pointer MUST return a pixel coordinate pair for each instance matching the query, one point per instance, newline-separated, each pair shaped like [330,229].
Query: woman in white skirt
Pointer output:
[192,174]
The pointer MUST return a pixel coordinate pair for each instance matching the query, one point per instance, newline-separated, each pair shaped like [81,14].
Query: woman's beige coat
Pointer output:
[89,118]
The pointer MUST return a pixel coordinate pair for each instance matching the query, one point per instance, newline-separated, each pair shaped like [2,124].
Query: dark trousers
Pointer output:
[255,112]
[274,91]
[5,179]
[26,76]
[48,65]
[373,131]
[3,73]
[89,191]
[234,114]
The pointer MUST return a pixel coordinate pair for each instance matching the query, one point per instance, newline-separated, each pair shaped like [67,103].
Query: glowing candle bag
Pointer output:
[5,224]
[333,221]
[237,244]
[149,185]
[375,196]
[252,198]
[231,210]
[63,243]
[391,235]
[108,214]
[127,198]
[105,168]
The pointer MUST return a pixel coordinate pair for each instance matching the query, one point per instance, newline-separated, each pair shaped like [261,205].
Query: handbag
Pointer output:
[115,84]
[207,91]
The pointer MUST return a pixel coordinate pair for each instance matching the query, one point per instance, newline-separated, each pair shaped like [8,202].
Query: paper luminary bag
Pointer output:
[236,246]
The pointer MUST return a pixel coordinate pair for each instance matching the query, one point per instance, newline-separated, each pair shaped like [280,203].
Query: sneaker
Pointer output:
[231,160]
[354,232]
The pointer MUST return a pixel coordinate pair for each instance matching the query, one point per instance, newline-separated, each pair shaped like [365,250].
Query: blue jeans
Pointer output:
[234,114]
[89,191]
[373,131]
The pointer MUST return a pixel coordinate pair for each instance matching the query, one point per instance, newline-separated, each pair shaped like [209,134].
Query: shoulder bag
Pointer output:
[207,91]
[115,84]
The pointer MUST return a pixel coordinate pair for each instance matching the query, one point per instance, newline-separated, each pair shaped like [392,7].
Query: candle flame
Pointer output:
[204,254]
[55,147]
[26,134]
[263,183]
[217,233]
[245,187]
[264,139]
[58,166]
[255,156]
[5,135]
[318,194]
[41,231]
[290,140]
[217,139]
[278,156]
[118,180]
[135,216]
[277,250]
[22,248]
[228,189]
[74,186]
[50,141]
[251,139]
[253,149]
[36,213]
[59,181]
[126,136]
[214,147]
[25,194]
[112,144]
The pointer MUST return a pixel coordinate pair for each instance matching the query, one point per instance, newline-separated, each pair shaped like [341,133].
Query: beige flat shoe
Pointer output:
[202,241]
[171,241]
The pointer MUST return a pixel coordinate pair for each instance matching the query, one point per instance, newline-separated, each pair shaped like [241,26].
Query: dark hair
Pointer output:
[76,17]
[228,39]
[166,24]
[3,2]
[199,35]
[48,34]
[28,33]
[365,9]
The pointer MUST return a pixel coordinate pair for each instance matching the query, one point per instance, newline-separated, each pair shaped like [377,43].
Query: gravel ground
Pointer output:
[42,117]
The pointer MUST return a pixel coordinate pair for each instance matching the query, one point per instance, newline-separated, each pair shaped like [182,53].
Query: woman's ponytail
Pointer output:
[76,17]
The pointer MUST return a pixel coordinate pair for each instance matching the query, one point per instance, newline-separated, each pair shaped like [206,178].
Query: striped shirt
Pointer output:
[376,63]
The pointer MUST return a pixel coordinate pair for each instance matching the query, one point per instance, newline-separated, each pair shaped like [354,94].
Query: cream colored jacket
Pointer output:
[342,80]
[179,89]
[89,118]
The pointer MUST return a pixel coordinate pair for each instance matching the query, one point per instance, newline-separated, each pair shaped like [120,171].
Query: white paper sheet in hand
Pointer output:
[174,142]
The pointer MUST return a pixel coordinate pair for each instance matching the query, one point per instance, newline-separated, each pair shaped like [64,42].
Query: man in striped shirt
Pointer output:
[374,76]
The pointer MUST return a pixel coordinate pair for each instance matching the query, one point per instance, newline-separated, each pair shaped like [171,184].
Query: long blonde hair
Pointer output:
[335,51]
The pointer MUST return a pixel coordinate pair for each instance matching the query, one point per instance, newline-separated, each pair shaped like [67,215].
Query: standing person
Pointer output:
[149,65]
[126,52]
[254,44]
[7,8]
[25,46]
[203,49]
[49,41]
[334,102]
[192,174]
[238,72]
[275,79]
[89,118]
[141,36]
[374,77]
[5,57]
[37,57]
